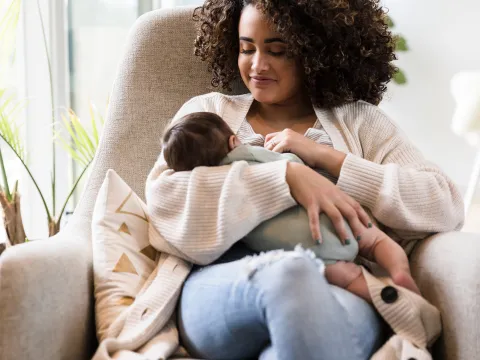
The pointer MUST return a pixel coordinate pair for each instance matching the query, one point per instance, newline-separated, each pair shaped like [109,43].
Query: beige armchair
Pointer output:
[46,288]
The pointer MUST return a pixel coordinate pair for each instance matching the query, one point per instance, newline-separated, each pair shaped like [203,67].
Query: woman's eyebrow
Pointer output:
[266,41]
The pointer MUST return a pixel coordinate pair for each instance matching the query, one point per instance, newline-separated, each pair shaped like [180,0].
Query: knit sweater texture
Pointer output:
[196,216]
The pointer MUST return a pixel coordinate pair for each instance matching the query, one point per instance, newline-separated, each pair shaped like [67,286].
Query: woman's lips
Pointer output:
[262,81]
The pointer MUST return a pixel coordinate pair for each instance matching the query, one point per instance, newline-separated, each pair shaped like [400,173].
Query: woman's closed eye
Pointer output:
[277,53]
[273,53]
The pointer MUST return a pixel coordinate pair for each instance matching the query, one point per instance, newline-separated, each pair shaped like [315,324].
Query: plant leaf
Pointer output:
[9,129]
[70,150]
[399,77]
[83,139]
[76,140]
[389,21]
[401,43]
[75,153]
[82,144]
[8,26]
[15,189]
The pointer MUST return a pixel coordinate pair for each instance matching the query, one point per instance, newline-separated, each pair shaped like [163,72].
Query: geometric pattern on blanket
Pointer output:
[122,255]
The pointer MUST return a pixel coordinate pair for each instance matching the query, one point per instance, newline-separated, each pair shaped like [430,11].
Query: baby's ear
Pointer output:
[233,142]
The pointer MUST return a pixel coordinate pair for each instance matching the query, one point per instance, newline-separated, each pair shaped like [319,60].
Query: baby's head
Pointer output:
[197,139]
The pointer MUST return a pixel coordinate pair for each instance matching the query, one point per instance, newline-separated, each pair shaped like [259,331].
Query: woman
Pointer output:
[312,68]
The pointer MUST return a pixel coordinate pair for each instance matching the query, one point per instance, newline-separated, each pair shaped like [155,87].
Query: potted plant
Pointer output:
[81,144]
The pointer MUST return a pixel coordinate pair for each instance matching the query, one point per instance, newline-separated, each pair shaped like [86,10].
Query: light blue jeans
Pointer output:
[284,310]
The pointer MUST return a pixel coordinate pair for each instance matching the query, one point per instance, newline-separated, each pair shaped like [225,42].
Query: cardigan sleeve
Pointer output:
[202,213]
[402,190]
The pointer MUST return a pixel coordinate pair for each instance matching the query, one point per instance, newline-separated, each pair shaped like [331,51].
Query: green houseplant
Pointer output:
[400,46]
[80,144]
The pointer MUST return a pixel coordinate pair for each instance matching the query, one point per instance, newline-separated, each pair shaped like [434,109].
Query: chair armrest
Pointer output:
[46,300]
[447,268]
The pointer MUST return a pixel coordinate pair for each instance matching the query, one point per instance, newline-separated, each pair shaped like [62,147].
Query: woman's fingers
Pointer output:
[275,145]
[363,216]
[270,144]
[271,140]
[314,221]
[361,213]
[338,222]
[280,147]
[270,136]
[353,220]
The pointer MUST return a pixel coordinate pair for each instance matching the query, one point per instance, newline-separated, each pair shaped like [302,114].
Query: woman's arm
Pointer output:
[201,213]
[401,188]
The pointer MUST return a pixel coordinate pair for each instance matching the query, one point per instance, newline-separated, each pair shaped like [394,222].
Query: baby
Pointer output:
[204,139]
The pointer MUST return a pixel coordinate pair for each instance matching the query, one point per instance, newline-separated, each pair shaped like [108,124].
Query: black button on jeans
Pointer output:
[389,294]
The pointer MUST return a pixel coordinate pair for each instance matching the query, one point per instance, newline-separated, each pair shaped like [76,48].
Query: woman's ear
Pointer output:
[233,142]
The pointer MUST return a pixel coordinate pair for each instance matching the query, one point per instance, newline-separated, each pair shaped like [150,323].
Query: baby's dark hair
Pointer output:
[196,139]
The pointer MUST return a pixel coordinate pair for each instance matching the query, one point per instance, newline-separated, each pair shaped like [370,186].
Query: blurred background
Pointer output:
[85,40]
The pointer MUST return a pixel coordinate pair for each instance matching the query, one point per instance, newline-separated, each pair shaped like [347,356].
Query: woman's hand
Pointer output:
[313,154]
[317,194]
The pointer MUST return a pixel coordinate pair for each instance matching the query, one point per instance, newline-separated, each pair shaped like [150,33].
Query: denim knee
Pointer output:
[296,270]
[288,275]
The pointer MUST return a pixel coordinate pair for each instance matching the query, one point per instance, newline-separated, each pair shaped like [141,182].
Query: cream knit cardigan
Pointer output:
[196,216]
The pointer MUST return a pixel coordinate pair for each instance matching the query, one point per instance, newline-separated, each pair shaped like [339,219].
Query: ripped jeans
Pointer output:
[273,309]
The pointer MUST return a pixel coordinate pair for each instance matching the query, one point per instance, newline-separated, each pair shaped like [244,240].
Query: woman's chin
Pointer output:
[264,96]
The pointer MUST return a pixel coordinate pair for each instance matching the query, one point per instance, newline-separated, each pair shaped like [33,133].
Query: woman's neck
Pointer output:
[294,110]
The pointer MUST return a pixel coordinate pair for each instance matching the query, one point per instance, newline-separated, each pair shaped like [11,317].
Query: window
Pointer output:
[10,85]
[97,33]
[85,41]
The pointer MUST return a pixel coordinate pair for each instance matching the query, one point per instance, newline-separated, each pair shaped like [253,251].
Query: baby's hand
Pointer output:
[293,142]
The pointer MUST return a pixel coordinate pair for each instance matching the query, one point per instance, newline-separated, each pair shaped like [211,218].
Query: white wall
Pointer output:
[444,38]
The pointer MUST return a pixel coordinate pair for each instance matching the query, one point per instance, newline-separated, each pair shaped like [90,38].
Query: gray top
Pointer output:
[257,154]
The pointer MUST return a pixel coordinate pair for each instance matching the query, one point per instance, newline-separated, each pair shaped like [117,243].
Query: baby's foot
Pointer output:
[348,276]
[404,279]
[342,273]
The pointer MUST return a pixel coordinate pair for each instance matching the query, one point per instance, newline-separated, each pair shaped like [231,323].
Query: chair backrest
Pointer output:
[157,74]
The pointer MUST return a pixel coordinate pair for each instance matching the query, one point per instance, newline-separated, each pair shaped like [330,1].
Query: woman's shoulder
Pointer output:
[358,111]
[361,114]
[232,108]
[201,101]
[214,100]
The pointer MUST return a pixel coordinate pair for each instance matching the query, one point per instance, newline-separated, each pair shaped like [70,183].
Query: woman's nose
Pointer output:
[259,63]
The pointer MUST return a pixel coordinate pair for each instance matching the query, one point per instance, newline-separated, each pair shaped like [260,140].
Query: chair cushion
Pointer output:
[122,256]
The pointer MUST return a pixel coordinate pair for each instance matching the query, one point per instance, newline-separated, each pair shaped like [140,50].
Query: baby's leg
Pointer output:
[377,246]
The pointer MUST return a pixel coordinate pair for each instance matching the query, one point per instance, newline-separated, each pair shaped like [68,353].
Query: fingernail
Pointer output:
[319,242]
[359,238]
[370,225]
[347,242]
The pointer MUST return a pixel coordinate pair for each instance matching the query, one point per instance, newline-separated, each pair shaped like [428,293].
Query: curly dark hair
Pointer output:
[344,46]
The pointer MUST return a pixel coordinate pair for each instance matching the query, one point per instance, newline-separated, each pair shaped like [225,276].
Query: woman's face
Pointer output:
[271,77]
